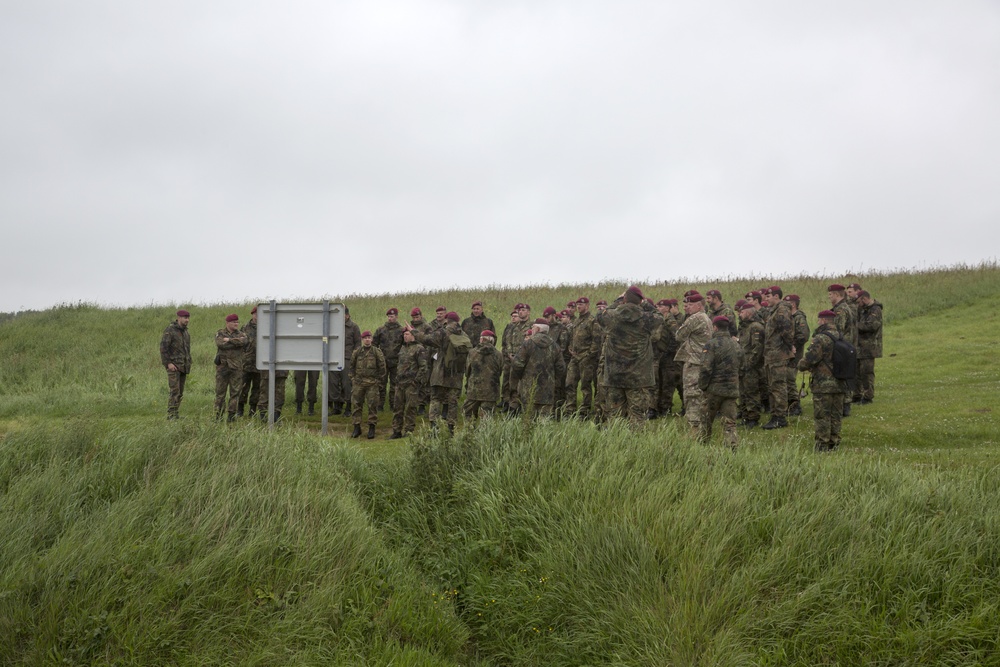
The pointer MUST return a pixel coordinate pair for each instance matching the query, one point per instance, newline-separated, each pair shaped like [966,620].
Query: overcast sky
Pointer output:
[190,152]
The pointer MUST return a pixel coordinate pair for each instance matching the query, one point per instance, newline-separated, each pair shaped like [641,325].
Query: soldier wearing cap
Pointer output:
[584,351]
[389,338]
[476,323]
[691,338]
[449,348]
[175,355]
[668,371]
[482,377]
[368,372]
[250,392]
[827,391]
[418,322]
[716,307]
[534,369]
[800,326]
[560,336]
[869,345]
[847,324]
[779,352]
[412,372]
[751,335]
[230,342]
[439,320]
[719,379]
[511,343]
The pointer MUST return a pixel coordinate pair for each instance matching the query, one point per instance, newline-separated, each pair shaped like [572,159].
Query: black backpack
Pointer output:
[845,358]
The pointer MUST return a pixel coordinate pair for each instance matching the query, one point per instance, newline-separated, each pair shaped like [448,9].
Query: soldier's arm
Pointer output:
[165,348]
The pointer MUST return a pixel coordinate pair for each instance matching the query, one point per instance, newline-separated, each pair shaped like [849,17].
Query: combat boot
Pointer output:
[312,409]
[750,423]
[371,431]
[347,408]
[338,407]
[231,418]
[776,422]
[651,414]
[847,409]
[277,416]
[396,435]
[451,429]
[795,411]
[298,407]
[357,431]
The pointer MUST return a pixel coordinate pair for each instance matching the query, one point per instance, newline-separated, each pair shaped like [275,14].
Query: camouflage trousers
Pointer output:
[668,380]
[750,394]
[581,372]
[300,386]
[827,412]
[250,393]
[340,387]
[404,415]
[227,380]
[444,398]
[508,388]
[280,377]
[793,391]
[365,394]
[473,408]
[694,397]
[390,372]
[777,388]
[175,384]
[865,382]
[725,408]
[630,401]
[601,402]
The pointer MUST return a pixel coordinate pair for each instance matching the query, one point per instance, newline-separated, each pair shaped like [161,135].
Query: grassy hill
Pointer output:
[131,540]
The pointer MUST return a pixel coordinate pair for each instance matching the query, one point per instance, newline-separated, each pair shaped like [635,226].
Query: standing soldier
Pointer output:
[475,324]
[340,381]
[751,335]
[450,351]
[718,308]
[230,342]
[250,393]
[513,339]
[175,355]
[482,377]
[560,336]
[667,370]
[368,371]
[421,325]
[629,324]
[411,378]
[827,391]
[779,350]
[584,350]
[719,378]
[691,338]
[847,325]
[869,344]
[800,325]
[535,368]
[389,338]
[300,378]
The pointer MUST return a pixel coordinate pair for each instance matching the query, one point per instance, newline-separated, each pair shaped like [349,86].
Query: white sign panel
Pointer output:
[295,334]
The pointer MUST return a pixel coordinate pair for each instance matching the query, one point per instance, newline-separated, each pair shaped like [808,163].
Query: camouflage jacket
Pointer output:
[389,338]
[752,344]
[535,367]
[818,361]
[800,325]
[442,375]
[475,326]
[581,338]
[368,366]
[779,335]
[352,341]
[412,368]
[691,338]
[720,368]
[725,311]
[483,374]
[870,331]
[847,323]
[513,336]
[231,352]
[175,347]
[628,348]
[420,324]
[666,338]
[250,350]
[560,334]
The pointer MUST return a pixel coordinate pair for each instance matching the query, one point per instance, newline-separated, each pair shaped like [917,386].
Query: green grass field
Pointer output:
[133,541]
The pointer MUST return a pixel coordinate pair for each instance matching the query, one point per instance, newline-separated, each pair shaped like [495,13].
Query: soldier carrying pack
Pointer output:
[845,358]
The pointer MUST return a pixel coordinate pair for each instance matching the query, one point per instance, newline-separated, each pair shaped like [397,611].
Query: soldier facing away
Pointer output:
[482,377]
[827,391]
[175,355]
[535,368]
[869,345]
[719,378]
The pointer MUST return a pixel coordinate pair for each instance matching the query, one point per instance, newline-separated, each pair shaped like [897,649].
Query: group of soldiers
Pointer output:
[627,359]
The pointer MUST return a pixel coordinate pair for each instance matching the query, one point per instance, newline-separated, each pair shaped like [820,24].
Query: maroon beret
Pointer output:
[392,311]
[835,288]
[721,320]
[549,311]
[440,309]
[525,306]
[792,297]
[541,320]
[739,303]
[864,293]
[183,313]
[583,299]
[233,318]
[827,314]
[571,304]
[487,332]
[753,294]
[690,292]
[366,334]
[714,292]
[694,298]
[747,306]
[477,303]
[602,302]
[772,289]
[663,302]
[635,290]
[453,316]
[854,286]
[254,310]
[672,302]
[415,311]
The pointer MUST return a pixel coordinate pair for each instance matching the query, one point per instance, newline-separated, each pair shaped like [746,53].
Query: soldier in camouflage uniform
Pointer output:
[511,343]
[779,351]
[230,342]
[418,323]
[584,350]
[629,324]
[389,338]
[449,348]
[368,373]
[482,377]
[668,371]
[847,325]
[300,378]
[869,344]
[800,325]
[827,391]
[691,338]
[250,393]
[560,335]
[719,378]
[534,369]
[716,307]
[601,406]
[475,324]
[751,335]
[412,372]
[175,355]
[340,381]
[280,378]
